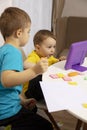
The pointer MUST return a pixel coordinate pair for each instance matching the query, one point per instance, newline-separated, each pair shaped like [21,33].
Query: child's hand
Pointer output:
[41,66]
[62,58]
[29,103]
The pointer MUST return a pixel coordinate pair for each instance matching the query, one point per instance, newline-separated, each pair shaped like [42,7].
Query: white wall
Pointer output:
[3,5]
[40,13]
[75,8]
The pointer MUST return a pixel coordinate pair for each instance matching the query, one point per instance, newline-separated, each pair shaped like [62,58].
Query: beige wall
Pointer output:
[75,8]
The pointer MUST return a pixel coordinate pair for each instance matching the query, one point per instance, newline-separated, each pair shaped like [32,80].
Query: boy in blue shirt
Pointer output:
[15,108]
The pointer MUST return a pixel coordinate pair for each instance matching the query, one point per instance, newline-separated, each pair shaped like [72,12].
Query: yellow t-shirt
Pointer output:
[34,58]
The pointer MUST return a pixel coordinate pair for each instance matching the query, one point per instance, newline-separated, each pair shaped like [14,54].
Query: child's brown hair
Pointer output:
[13,19]
[41,35]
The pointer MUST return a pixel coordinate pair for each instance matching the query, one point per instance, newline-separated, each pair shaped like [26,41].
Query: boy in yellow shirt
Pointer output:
[45,44]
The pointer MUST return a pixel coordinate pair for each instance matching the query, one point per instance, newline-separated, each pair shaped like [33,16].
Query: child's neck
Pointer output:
[38,54]
[13,42]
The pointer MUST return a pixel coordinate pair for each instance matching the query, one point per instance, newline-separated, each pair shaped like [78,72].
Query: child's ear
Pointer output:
[37,47]
[18,33]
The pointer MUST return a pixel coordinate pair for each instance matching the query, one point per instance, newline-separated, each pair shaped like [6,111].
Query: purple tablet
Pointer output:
[76,55]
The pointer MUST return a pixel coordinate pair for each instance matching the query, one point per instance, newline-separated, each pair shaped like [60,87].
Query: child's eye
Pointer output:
[54,46]
[49,47]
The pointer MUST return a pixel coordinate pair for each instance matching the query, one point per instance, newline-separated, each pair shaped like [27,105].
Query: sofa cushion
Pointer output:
[76,30]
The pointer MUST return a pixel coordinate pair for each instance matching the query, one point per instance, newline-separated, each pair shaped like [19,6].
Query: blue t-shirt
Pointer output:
[10,59]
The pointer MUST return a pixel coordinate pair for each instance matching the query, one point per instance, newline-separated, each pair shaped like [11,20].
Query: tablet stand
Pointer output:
[79,68]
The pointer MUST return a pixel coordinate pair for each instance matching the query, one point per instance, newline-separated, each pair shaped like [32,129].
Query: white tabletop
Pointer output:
[80,113]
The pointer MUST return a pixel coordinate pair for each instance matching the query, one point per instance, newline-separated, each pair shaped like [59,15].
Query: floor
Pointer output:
[65,120]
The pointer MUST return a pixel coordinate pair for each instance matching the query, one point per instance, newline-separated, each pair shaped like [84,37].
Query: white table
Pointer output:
[78,113]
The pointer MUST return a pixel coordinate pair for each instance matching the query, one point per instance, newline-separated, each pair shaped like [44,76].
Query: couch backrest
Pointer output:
[76,30]
[69,30]
[61,25]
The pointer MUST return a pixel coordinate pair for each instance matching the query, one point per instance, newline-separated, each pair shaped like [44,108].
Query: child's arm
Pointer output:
[28,64]
[10,78]
[62,58]
[30,61]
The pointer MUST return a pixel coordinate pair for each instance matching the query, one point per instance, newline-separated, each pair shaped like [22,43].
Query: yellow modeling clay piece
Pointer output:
[73,74]
[84,105]
[72,83]
[60,75]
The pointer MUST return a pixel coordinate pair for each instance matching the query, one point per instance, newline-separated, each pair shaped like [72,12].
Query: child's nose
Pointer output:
[52,50]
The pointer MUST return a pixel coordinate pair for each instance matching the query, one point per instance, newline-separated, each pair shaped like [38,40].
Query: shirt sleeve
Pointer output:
[33,58]
[52,60]
[12,60]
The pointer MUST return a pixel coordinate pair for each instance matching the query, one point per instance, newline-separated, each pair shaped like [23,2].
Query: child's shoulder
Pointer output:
[33,57]
[33,53]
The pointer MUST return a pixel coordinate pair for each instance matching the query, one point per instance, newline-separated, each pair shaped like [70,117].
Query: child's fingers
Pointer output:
[30,103]
[41,66]
[44,64]
[62,58]
[44,59]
